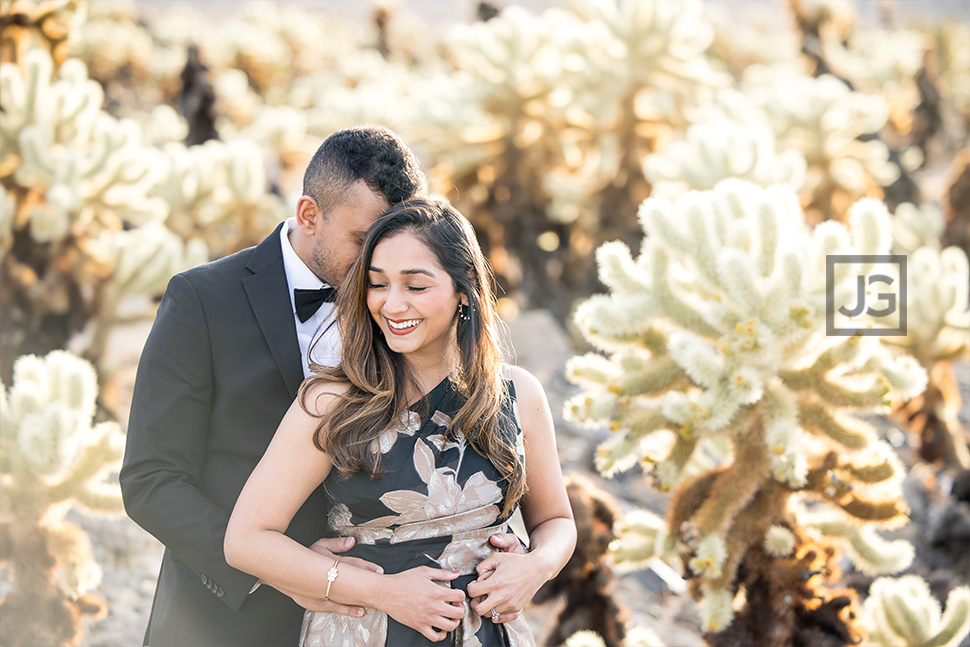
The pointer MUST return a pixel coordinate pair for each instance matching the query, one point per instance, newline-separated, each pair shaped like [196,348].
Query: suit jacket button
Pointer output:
[219,591]
[205,580]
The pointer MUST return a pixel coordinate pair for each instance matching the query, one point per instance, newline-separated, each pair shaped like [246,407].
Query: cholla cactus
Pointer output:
[636,637]
[718,150]
[826,122]
[57,143]
[917,226]
[938,332]
[217,192]
[75,179]
[902,612]
[564,105]
[717,347]
[882,61]
[52,457]
[738,44]
[46,25]
[121,53]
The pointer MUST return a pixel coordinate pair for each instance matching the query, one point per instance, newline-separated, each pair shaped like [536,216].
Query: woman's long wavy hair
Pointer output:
[378,377]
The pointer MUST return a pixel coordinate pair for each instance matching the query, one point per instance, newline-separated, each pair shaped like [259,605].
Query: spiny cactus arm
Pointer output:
[840,396]
[847,431]
[876,463]
[875,473]
[610,322]
[618,271]
[870,553]
[656,378]
[676,309]
[668,471]
[734,488]
[749,527]
[686,500]
[911,618]
[633,440]
[94,458]
[80,572]
[640,535]
[716,608]
[889,511]
[955,621]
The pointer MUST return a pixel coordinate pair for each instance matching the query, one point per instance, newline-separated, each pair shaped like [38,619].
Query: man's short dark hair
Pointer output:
[373,154]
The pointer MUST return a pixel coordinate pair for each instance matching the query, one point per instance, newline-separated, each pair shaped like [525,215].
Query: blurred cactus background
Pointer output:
[657,184]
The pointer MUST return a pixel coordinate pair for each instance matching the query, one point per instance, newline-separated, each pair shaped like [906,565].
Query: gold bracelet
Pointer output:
[331,576]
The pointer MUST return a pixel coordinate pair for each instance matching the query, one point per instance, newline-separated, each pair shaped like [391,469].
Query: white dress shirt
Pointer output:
[326,351]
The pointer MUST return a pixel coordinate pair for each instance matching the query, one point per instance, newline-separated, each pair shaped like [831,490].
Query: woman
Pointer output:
[426,441]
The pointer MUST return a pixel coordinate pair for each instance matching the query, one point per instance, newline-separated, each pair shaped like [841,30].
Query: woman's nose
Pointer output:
[396,301]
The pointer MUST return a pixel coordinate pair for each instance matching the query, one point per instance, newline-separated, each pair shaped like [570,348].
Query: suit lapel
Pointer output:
[267,292]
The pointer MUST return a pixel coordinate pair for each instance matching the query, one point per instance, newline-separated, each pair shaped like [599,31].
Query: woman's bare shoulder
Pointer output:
[527,385]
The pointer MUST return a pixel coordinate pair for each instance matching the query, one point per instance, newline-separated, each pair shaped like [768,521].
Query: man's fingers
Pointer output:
[361,563]
[333,544]
[507,543]
[342,609]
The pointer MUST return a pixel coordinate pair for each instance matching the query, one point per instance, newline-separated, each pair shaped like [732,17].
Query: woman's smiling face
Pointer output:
[411,297]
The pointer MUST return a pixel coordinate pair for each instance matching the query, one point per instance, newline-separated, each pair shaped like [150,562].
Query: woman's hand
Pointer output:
[506,582]
[414,598]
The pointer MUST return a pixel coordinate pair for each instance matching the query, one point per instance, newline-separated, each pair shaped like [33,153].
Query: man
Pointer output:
[221,366]
[225,357]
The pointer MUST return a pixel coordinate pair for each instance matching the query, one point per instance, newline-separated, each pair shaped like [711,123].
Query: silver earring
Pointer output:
[464,312]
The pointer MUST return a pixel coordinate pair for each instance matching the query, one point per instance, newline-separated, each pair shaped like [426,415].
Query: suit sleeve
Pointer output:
[167,433]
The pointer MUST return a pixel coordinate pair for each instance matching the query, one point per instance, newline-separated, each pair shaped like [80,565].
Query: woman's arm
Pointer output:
[506,581]
[289,471]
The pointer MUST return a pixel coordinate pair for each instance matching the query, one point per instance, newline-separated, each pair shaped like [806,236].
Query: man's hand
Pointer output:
[507,543]
[331,547]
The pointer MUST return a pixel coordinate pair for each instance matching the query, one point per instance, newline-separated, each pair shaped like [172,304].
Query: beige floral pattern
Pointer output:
[407,425]
[325,629]
[441,493]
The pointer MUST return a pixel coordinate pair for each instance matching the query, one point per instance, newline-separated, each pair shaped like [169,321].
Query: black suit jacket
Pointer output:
[218,371]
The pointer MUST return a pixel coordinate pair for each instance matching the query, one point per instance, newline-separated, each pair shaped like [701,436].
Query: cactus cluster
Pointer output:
[74,179]
[902,612]
[53,456]
[938,332]
[721,383]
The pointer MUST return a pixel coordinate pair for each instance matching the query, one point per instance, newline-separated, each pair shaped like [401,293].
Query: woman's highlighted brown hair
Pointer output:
[378,378]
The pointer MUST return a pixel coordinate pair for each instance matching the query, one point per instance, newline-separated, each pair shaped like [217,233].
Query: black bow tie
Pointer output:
[309,301]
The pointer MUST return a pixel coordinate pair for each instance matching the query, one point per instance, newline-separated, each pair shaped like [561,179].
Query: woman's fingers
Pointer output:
[437,574]
[504,617]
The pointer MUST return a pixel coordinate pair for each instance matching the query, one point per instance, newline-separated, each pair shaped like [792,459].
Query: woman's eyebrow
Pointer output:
[414,271]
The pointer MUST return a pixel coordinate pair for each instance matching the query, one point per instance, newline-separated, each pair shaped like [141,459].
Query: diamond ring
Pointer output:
[494,615]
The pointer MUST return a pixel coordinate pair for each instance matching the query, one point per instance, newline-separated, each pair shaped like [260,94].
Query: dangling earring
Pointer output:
[464,312]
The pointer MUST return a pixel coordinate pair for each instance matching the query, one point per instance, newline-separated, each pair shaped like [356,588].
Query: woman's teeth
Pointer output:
[403,324]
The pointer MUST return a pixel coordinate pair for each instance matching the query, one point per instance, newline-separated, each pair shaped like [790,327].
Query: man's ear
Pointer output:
[306,215]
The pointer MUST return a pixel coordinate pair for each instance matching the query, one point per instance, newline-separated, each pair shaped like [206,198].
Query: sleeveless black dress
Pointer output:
[436,505]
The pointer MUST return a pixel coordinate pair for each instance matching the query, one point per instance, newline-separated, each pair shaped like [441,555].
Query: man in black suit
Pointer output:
[220,368]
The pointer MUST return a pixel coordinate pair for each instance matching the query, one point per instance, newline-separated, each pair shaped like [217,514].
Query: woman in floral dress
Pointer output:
[427,443]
